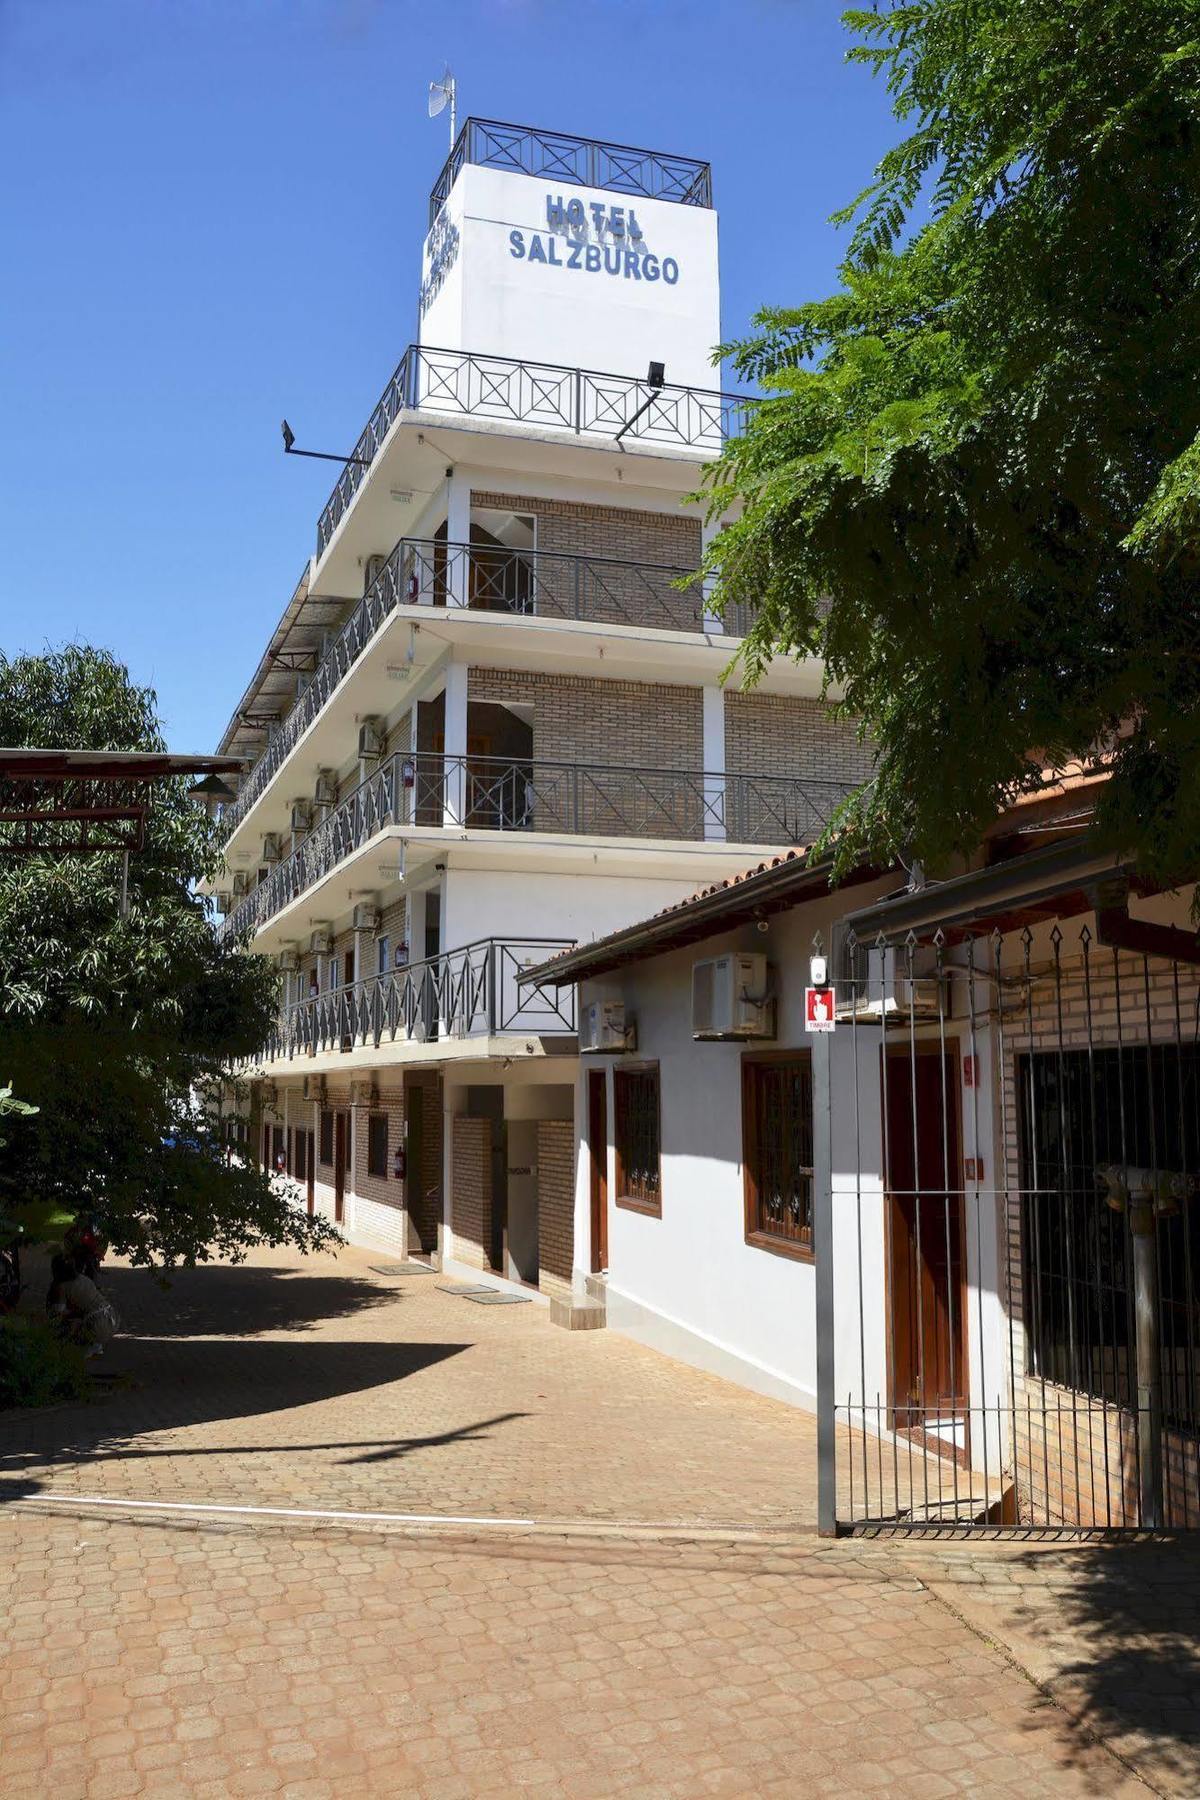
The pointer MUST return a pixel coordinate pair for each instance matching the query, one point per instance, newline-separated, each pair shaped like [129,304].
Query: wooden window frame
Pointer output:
[756,1237]
[374,1121]
[325,1162]
[622,1072]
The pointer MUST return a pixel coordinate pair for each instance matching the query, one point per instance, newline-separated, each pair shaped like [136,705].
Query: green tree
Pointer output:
[973,485]
[118,1028]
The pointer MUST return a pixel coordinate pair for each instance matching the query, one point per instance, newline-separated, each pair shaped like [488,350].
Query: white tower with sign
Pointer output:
[491,720]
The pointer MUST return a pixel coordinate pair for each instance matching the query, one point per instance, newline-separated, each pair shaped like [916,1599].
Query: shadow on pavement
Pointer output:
[1127,1618]
[223,1300]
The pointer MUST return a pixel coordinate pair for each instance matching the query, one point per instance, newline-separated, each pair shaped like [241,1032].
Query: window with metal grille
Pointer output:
[326,1138]
[377,1145]
[638,1138]
[777,1152]
[1132,1114]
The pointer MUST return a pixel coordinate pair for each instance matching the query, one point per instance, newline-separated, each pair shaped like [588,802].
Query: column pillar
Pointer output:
[712,621]
[713,761]
[454,791]
[458,532]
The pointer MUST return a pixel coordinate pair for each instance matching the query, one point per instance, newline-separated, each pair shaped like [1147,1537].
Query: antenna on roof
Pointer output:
[442,94]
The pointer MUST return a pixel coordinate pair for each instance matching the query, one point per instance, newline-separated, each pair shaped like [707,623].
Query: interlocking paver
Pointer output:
[155,1655]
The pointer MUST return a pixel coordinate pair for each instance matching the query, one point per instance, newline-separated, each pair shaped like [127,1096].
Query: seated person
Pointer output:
[78,1306]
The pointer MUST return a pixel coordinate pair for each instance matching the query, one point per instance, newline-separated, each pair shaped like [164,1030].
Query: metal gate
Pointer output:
[1009,1173]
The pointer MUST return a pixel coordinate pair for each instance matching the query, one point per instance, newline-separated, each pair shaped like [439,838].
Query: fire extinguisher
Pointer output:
[400,1163]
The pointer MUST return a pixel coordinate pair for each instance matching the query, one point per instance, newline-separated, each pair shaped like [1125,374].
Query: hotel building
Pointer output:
[491,721]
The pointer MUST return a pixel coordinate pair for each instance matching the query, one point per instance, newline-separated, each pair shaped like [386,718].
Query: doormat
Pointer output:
[404,1268]
[490,1297]
[462,1287]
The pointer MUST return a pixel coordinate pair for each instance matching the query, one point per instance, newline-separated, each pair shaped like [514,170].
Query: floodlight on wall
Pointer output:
[289,449]
[656,376]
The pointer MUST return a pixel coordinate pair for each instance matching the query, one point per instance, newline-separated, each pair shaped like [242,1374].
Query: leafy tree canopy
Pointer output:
[973,486]
[118,1028]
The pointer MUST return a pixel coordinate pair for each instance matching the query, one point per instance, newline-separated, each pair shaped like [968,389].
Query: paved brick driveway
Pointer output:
[167,1654]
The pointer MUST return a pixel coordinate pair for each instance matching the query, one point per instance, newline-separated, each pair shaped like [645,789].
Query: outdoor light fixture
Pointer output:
[656,375]
[289,449]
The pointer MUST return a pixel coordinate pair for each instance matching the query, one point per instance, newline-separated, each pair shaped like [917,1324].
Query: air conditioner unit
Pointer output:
[372,570]
[269,1094]
[241,881]
[316,1088]
[364,1093]
[301,815]
[370,738]
[270,847]
[321,942]
[325,792]
[874,984]
[366,918]
[224,904]
[603,1027]
[730,998]
[289,961]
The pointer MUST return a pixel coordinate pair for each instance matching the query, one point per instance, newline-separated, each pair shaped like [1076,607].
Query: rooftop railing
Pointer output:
[491,793]
[462,993]
[461,383]
[575,161]
[531,583]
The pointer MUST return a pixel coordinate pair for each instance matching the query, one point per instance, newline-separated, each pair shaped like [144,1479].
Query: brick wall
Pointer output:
[1077,1462]
[785,734]
[382,1190]
[579,719]
[556,1203]
[471,1198]
[613,596]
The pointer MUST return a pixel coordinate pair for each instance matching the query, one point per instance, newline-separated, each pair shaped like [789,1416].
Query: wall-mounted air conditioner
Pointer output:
[874,984]
[372,570]
[370,738]
[301,815]
[289,961]
[603,1027]
[241,882]
[321,942]
[224,904]
[731,998]
[270,848]
[316,1088]
[364,1093]
[366,918]
[325,791]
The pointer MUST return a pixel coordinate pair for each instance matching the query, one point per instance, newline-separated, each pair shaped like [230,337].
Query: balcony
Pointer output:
[461,384]
[528,583]
[428,791]
[469,992]
[579,162]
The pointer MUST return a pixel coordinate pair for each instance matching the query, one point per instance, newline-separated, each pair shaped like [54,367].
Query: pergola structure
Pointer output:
[78,802]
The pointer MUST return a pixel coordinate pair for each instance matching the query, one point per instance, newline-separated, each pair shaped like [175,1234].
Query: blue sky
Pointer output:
[212,216]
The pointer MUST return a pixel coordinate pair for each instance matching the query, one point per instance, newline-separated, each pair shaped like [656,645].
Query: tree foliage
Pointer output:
[973,485]
[118,1029]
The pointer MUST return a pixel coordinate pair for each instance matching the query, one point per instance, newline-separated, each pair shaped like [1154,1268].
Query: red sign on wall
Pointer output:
[819,1008]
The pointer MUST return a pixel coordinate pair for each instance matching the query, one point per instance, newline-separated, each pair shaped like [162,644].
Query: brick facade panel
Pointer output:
[471,1198]
[556,1203]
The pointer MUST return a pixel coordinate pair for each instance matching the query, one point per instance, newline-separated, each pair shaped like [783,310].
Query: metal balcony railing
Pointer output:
[535,583]
[577,161]
[459,382]
[489,793]
[462,993]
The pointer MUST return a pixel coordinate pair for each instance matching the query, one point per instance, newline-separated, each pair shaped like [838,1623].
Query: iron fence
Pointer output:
[492,793]
[577,161]
[462,993]
[1015,1175]
[462,383]
[532,583]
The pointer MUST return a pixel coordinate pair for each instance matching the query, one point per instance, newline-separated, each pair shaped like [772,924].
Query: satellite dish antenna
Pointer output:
[442,95]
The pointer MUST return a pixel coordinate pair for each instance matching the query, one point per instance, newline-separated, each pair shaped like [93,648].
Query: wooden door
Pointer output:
[927,1289]
[598,1148]
[310,1170]
[339,1166]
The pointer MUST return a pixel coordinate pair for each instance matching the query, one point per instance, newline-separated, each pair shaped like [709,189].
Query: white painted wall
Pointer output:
[496,302]
[503,903]
[687,1282]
